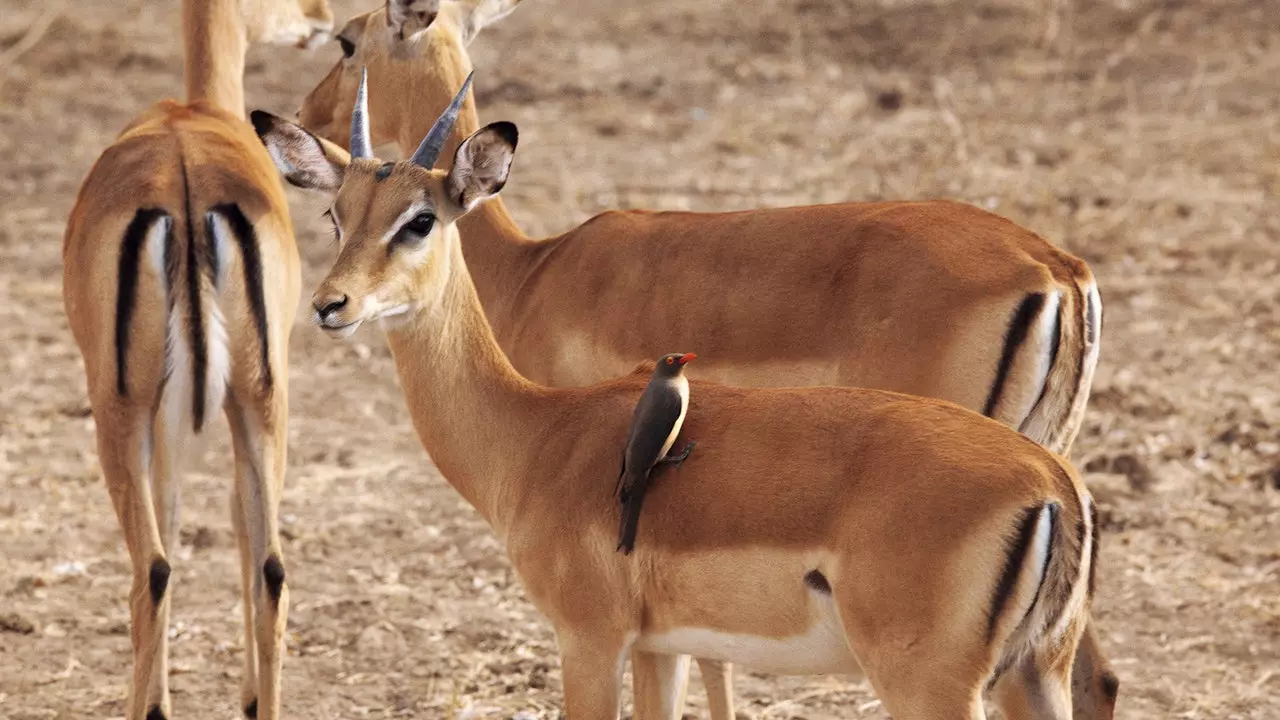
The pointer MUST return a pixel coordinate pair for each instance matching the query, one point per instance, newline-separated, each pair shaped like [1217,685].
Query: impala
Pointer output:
[931,298]
[814,530]
[181,282]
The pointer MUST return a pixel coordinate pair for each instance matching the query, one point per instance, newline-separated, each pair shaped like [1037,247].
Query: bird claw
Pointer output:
[679,459]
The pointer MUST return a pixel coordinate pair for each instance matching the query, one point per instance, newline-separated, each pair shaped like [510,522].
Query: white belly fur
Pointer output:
[821,650]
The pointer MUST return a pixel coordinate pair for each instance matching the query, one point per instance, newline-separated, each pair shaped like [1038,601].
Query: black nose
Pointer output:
[328,304]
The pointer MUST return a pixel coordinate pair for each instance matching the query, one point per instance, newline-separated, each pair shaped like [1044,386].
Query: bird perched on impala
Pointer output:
[654,429]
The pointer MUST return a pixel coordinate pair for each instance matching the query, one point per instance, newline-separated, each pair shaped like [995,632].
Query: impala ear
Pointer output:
[481,165]
[479,14]
[406,18]
[304,159]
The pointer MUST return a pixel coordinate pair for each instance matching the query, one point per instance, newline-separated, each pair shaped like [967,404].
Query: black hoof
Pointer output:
[155,713]
[251,710]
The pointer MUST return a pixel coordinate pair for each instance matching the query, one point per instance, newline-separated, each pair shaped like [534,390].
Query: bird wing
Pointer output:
[655,417]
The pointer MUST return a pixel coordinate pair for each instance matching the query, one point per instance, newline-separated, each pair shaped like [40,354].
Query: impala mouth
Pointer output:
[336,329]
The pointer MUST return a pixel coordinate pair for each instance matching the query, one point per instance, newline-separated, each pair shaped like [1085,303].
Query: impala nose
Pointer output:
[327,304]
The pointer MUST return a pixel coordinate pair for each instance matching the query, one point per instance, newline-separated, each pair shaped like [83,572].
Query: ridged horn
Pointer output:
[361,142]
[429,151]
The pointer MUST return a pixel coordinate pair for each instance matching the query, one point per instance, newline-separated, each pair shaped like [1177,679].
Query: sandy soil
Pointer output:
[1145,138]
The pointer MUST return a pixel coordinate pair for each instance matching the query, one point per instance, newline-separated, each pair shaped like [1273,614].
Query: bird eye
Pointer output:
[348,47]
[670,360]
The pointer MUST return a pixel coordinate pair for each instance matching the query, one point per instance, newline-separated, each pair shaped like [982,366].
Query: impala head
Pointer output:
[305,23]
[394,221]
[671,365]
[415,54]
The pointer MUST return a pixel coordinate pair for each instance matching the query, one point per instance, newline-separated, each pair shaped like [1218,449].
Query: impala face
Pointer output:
[393,221]
[390,42]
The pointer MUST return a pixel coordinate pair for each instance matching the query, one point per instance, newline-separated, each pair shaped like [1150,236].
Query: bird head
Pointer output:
[673,364]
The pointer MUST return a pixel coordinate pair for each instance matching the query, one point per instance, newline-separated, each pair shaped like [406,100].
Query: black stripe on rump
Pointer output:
[135,236]
[1093,551]
[251,257]
[195,320]
[1015,335]
[1016,560]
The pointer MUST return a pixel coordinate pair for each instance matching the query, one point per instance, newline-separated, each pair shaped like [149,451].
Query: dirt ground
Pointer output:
[1144,137]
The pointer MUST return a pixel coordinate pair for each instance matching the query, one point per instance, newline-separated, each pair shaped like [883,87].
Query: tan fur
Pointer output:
[803,296]
[905,504]
[184,160]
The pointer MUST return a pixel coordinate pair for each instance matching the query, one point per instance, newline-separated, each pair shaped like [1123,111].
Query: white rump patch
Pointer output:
[216,342]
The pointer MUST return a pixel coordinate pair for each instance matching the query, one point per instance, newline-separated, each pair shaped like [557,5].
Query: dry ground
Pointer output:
[1145,138]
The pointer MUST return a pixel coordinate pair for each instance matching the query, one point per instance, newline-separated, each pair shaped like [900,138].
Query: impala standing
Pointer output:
[782,546]
[180,283]
[932,298]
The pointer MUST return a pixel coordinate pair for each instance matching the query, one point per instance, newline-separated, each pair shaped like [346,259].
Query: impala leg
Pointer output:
[123,448]
[258,432]
[166,501]
[249,678]
[592,673]
[659,682]
[717,678]
[1029,691]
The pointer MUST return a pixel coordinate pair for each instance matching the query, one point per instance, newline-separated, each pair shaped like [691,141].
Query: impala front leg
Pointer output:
[592,671]
[659,683]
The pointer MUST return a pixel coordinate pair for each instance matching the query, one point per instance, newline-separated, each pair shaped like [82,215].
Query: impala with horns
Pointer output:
[181,284]
[931,298]
[780,543]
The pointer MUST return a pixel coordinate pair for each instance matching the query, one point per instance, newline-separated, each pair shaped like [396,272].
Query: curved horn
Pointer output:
[361,143]
[429,150]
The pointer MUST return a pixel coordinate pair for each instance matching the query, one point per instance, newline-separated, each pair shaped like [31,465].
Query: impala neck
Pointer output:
[216,41]
[465,397]
[494,243]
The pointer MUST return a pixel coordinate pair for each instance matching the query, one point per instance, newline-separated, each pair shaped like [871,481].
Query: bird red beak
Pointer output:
[686,358]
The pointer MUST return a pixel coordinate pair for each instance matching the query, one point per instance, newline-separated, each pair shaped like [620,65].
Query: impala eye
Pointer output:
[415,231]
[348,47]
[421,224]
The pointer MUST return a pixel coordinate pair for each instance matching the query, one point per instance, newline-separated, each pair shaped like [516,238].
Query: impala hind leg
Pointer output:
[717,678]
[659,682]
[124,448]
[166,501]
[592,671]
[1030,691]
[258,432]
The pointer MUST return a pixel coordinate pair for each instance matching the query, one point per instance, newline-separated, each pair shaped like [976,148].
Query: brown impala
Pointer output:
[931,298]
[181,284]
[814,529]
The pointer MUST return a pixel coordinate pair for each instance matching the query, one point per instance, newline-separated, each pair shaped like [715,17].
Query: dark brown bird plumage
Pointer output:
[654,428]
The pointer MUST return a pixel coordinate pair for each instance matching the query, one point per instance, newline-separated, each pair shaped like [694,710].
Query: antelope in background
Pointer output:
[181,284]
[940,299]
[814,530]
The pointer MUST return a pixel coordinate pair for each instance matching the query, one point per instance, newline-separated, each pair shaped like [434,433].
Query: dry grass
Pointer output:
[1143,135]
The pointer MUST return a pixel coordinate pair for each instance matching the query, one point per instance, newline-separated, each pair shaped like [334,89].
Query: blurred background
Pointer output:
[1141,135]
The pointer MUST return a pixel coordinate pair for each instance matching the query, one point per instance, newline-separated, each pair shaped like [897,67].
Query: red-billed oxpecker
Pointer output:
[654,429]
